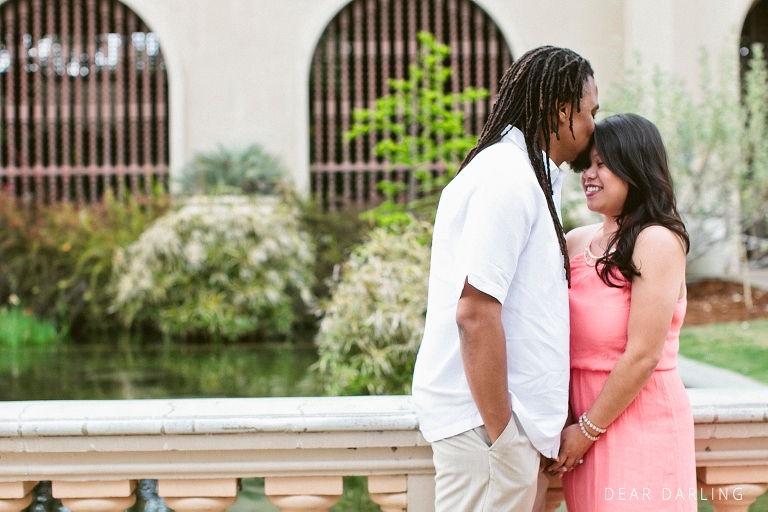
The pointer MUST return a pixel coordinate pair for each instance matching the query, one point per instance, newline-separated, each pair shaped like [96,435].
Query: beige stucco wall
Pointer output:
[239,69]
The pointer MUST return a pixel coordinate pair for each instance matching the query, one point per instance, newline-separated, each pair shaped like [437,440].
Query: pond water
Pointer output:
[109,369]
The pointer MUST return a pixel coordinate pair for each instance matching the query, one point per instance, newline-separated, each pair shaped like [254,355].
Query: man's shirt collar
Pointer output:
[514,135]
[557,175]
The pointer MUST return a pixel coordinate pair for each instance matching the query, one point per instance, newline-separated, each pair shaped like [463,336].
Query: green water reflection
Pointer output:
[110,369]
[126,371]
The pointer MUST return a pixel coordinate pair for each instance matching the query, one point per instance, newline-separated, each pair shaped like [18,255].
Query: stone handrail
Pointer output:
[94,451]
[731,431]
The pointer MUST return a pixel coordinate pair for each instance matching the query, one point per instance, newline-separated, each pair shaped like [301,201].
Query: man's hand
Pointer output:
[484,353]
[573,446]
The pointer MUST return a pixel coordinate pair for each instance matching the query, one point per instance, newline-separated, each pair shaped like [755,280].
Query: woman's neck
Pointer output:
[603,236]
[610,226]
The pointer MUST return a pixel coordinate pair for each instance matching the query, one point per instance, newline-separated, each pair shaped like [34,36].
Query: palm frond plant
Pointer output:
[249,170]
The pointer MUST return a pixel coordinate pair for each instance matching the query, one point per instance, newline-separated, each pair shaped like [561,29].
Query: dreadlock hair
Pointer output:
[529,95]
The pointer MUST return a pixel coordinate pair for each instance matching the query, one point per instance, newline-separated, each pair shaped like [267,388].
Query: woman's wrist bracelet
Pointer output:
[592,425]
[584,430]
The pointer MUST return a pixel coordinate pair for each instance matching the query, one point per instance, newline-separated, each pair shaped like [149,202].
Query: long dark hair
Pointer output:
[529,95]
[630,146]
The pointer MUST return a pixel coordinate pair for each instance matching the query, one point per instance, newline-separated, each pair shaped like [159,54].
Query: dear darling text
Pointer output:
[669,494]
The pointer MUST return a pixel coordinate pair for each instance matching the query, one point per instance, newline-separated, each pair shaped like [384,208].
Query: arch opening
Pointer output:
[754,30]
[83,101]
[367,43]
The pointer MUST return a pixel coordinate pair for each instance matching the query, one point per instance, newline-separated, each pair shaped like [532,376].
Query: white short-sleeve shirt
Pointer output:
[493,227]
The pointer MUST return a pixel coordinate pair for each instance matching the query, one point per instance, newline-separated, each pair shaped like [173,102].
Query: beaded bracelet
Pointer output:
[584,430]
[592,425]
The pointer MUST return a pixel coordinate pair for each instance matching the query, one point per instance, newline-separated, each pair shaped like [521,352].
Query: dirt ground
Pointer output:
[712,301]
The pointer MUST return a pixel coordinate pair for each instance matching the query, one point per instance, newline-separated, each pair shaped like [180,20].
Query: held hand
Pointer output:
[573,447]
[546,466]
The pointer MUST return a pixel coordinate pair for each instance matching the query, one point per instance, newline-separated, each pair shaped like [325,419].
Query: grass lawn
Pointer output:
[738,346]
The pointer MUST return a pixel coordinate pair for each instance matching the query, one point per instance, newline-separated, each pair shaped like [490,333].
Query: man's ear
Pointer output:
[564,113]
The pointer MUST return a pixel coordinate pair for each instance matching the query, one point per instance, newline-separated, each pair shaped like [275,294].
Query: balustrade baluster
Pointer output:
[389,492]
[15,496]
[101,496]
[304,494]
[193,495]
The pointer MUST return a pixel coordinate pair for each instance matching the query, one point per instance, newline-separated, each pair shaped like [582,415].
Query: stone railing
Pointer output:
[93,452]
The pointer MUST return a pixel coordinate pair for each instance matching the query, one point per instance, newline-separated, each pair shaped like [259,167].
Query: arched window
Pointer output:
[366,44]
[83,101]
[755,30]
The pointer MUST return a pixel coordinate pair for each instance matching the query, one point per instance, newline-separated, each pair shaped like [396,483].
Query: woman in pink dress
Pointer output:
[630,446]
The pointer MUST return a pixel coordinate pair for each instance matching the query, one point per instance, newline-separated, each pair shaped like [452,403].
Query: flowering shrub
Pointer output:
[57,259]
[374,321]
[225,266]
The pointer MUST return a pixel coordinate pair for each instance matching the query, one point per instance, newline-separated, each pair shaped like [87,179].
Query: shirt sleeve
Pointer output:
[500,215]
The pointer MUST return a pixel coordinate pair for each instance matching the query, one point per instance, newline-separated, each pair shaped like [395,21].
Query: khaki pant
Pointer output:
[472,476]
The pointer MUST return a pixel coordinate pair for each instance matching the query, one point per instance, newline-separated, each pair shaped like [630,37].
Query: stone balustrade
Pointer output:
[93,452]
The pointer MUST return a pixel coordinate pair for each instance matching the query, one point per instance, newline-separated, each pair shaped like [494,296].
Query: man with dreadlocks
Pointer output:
[491,377]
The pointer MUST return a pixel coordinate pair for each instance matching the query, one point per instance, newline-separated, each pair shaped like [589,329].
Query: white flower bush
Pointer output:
[222,266]
[374,321]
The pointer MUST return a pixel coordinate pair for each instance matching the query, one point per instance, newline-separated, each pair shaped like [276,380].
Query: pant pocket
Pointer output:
[509,434]
[482,434]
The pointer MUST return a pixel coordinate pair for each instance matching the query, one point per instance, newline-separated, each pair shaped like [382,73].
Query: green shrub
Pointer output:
[418,125]
[221,266]
[335,235]
[373,324]
[19,326]
[232,171]
[57,259]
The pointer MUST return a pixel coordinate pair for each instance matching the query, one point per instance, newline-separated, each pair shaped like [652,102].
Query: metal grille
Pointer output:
[755,30]
[366,44]
[83,101]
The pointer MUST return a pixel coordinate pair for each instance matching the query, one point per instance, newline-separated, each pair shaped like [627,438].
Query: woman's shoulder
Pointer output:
[658,247]
[659,254]
[579,237]
[659,239]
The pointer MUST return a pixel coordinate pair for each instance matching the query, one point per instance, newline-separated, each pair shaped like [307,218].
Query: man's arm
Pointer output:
[484,352]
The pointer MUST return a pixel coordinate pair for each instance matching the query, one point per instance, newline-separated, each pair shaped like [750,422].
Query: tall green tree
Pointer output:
[419,126]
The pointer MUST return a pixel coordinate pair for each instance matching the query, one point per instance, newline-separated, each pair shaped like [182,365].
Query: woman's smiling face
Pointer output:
[605,192]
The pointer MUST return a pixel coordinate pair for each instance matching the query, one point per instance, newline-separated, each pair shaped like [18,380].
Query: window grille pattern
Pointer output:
[83,101]
[366,44]
[755,30]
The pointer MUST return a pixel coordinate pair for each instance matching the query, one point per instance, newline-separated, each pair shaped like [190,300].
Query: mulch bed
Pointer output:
[712,301]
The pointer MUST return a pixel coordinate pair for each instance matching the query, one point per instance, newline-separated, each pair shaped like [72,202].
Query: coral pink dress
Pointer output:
[646,460]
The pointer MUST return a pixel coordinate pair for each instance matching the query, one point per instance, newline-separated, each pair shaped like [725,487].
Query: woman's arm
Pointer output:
[660,257]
